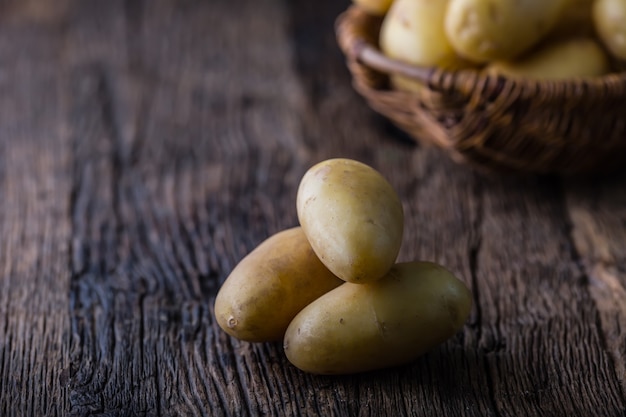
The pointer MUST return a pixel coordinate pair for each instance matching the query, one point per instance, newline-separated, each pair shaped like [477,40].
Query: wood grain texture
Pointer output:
[147,146]
[35,184]
[597,212]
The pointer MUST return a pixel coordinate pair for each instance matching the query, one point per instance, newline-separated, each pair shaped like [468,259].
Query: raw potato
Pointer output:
[357,328]
[413,32]
[485,30]
[374,7]
[352,217]
[609,18]
[270,286]
[558,60]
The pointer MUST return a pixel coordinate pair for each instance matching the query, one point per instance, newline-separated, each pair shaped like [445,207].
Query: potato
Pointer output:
[557,60]
[270,286]
[357,328]
[374,7]
[412,31]
[484,30]
[609,18]
[352,217]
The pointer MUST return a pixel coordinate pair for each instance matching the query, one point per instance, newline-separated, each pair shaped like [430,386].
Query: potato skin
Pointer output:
[352,217]
[484,30]
[270,286]
[557,60]
[358,328]
[413,32]
[609,19]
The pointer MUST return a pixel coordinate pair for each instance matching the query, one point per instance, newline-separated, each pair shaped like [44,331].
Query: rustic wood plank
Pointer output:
[597,211]
[114,357]
[535,288]
[35,185]
[187,166]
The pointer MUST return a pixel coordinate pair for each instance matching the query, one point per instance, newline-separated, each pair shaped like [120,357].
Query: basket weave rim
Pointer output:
[349,27]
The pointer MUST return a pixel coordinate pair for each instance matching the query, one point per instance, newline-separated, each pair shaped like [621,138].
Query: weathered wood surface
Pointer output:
[146,146]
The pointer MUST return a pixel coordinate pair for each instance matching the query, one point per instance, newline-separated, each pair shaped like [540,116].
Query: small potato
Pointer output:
[609,18]
[352,217]
[557,60]
[374,7]
[484,30]
[413,32]
[270,286]
[357,328]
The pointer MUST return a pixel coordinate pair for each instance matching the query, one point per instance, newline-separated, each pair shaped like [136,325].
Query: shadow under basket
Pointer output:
[500,124]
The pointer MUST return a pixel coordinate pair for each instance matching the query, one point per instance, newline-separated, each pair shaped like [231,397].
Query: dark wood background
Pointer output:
[147,146]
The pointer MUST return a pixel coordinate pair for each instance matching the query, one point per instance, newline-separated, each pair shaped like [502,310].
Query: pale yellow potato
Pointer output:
[270,286]
[609,18]
[413,32]
[352,217]
[484,30]
[358,328]
[557,60]
[374,7]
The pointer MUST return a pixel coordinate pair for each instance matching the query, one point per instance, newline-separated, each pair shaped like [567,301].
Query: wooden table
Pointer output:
[147,146]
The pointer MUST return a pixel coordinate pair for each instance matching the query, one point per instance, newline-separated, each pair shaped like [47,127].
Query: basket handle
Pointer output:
[372,57]
[359,45]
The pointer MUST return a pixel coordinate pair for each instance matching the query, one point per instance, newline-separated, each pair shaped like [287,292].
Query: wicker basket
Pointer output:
[576,126]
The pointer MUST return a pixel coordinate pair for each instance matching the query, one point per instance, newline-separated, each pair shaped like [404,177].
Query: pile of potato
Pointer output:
[541,39]
[331,288]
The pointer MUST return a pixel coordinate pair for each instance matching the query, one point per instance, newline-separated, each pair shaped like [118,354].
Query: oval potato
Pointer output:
[484,30]
[412,31]
[609,18]
[357,328]
[557,60]
[352,217]
[270,286]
